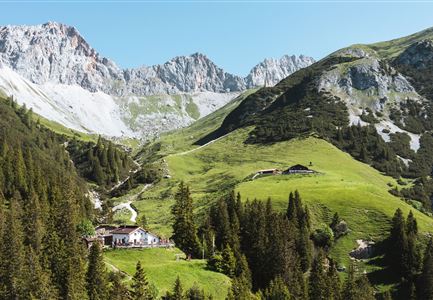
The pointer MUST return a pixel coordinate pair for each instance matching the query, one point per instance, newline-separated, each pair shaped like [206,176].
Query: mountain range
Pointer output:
[64,79]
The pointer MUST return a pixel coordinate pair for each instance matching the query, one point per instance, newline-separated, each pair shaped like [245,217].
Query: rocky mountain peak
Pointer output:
[271,71]
[58,53]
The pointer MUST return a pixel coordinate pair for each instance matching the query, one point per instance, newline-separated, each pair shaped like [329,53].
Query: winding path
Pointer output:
[198,148]
[128,206]
[116,269]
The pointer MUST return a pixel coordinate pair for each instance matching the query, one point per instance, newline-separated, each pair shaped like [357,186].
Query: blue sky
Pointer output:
[235,36]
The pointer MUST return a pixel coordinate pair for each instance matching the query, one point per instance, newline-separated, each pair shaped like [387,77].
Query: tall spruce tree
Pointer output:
[184,228]
[239,289]
[277,290]
[357,286]
[195,293]
[177,293]
[334,282]
[140,285]
[398,244]
[12,271]
[425,287]
[229,262]
[37,279]
[318,282]
[96,276]
[118,290]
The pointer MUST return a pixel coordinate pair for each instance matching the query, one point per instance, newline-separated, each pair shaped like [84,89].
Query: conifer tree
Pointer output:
[37,279]
[140,285]
[411,224]
[242,268]
[239,289]
[357,287]
[398,244]
[195,293]
[364,288]
[118,290]
[350,289]
[425,288]
[12,275]
[98,174]
[96,276]
[20,172]
[229,262]
[142,221]
[67,254]
[291,212]
[277,290]
[32,221]
[296,282]
[335,221]
[177,290]
[334,284]
[318,285]
[184,229]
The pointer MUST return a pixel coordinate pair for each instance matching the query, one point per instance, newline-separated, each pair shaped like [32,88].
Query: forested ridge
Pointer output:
[41,203]
[104,163]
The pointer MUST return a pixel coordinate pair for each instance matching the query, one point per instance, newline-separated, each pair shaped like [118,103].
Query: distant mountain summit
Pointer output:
[271,71]
[57,53]
[190,73]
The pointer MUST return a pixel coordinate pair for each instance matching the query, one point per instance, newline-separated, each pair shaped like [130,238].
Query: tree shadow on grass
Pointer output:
[384,274]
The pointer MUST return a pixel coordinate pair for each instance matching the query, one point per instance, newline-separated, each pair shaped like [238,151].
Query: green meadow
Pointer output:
[358,192]
[162,269]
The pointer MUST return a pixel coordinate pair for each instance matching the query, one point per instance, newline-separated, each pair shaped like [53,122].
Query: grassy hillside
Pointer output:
[355,190]
[162,268]
[390,49]
[60,129]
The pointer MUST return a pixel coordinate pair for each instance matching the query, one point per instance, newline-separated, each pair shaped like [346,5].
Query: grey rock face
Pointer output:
[182,74]
[272,71]
[353,51]
[418,55]
[57,53]
[369,76]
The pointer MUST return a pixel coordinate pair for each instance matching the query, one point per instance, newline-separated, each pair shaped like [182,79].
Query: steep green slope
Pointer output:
[162,268]
[355,190]
[62,130]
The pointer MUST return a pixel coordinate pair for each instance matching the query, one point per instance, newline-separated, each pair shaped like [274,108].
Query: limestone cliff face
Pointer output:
[271,71]
[57,53]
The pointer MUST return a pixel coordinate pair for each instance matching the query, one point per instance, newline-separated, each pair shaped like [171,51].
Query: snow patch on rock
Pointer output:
[392,128]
